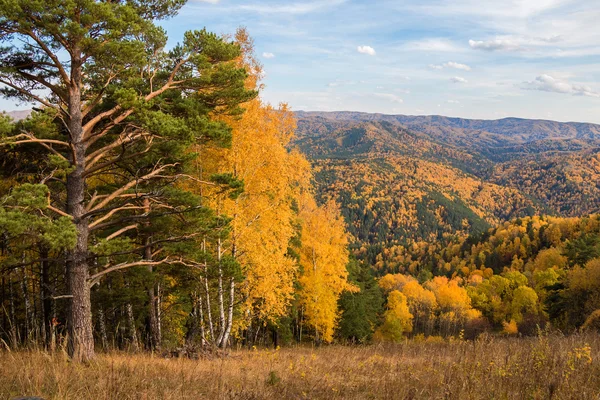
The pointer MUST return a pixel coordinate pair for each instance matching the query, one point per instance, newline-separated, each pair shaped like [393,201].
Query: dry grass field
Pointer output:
[547,367]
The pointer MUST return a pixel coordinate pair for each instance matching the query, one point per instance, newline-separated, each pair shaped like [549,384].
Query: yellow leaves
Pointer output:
[419,298]
[392,282]
[525,300]
[263,215]
[323,258]
[510,328]
[397,319]
[449,295]
[277,201]
[549,258]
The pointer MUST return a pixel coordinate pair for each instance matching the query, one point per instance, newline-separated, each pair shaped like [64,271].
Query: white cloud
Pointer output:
[458,79]
[496,44]
[389,96]
[547,83]
[209,1]
[268,55]
[366,50]
[451,64]
[453,102]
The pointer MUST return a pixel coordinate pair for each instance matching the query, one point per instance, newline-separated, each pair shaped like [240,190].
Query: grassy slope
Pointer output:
[531,368]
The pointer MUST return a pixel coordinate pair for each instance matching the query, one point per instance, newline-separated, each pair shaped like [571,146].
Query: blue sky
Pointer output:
[466,58]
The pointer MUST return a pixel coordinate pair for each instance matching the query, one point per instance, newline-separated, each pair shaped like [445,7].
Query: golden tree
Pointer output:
[323,259]
[397,319]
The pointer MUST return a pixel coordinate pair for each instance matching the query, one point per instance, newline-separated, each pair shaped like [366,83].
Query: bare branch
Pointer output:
[64,296]
[63,73]
[121,231]
[56,210]
[97,197]
[108,269]
[30,95]
[111,213]
[93,103]
[97,155]
[115,194]
[31,139]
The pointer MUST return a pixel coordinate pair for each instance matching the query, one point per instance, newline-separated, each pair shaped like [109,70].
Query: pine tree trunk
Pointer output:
[81,339]
[153,321]
[194,323]
[13,322]
[25,292]
[45,294]
[153,333]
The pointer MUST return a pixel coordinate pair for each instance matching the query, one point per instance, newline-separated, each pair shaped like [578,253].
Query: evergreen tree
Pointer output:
[360,310]
[120,113]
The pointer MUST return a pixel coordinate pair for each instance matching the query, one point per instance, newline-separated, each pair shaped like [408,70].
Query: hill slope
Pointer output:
[402,180]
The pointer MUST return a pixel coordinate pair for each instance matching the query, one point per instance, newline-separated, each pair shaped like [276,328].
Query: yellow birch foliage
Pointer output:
[390,282]
[263,215]
[449,295]
[397,319]
[422,302]
[323,258]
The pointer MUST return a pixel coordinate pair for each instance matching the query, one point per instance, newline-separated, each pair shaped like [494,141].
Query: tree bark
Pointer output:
[46,295]
[13,322]
[211,329]
[102,325]
[220,294]
[154,338]
[201,321]
[225,338]
[81,339]
[24,289]
[132,331]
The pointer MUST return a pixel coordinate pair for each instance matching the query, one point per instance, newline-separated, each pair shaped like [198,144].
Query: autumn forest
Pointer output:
[159,217]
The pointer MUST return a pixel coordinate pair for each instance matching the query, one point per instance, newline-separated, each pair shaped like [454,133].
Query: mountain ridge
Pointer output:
[402,181]
[345,114]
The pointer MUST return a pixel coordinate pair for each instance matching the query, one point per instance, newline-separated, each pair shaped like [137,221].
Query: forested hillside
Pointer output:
[402,180]
[472,226]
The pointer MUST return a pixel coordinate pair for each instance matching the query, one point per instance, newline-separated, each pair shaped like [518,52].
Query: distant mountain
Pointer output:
[497,139]
[403,180]
[18,114]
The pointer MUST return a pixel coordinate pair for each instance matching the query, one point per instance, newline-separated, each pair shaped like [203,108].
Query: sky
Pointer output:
[484,59]
[466,58]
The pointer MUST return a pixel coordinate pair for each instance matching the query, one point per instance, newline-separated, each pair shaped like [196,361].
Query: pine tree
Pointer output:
[121,112]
